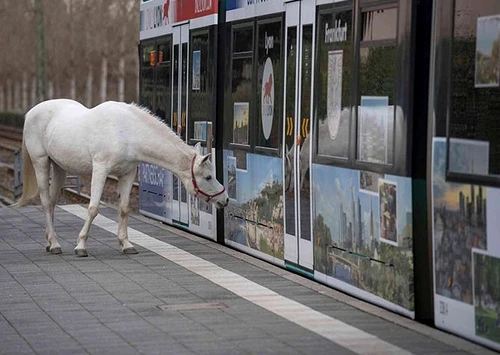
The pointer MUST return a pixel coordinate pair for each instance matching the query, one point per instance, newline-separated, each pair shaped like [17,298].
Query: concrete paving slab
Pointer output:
[111,303]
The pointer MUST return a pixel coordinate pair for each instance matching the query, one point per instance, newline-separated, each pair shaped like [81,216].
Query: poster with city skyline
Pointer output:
[459,224]
[466,249]
[346,230]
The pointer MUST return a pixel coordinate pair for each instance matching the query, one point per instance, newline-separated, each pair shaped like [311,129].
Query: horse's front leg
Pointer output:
[125,183]
[99,174]
[56,184]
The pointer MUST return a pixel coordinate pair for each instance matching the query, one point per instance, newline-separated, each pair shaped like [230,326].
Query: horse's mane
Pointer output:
[147,115]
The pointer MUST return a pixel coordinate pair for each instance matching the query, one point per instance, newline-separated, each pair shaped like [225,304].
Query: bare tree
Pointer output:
[41,75]
[80,49]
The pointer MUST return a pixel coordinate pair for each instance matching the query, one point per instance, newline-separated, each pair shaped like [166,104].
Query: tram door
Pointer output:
[180,37]
[299,25]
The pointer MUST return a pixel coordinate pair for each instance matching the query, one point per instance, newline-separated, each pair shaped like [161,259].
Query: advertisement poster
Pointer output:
[388,215]
[486,275]
[195,211]
[240,123]
[487,71]
[368,182]
[267,98]
[466,251]
[334,92]
[196,70]
[373,129]
[352,228]
[253,220]
[231,177]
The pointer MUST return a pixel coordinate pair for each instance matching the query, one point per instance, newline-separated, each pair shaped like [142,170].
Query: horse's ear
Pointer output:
[206,157]
[197,147]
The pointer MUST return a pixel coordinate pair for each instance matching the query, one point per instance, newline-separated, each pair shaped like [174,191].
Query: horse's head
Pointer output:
[203,181]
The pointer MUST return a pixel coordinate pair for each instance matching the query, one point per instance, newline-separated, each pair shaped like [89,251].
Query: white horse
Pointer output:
[111,138]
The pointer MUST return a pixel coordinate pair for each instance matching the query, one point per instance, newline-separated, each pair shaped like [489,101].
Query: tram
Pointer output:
[358,141]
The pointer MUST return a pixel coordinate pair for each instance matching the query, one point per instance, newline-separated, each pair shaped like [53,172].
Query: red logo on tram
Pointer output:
[268,87]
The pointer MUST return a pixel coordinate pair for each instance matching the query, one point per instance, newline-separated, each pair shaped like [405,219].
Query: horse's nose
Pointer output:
[227,201]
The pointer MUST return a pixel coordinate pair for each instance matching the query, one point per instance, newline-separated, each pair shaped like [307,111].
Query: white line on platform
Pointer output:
[330,328]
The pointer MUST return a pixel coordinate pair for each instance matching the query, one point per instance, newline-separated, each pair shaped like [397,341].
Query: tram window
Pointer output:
[377,86]
[163,53]
[148,56]
[269,84]
[242,100]
[333,83]
[200,93]
[163,77]
[242,93]
[379,24]
[147,89]
[243,39]
[474,113]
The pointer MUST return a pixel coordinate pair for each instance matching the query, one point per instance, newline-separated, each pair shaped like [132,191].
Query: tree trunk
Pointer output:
[121,66]
[104,78]
[2,98]
[17,96]
[90,80]
[51,90]
[121,79]
[9,95]
[72,46]
[137,80]
[33,92]
[72,89]
[24,105]
[41,75]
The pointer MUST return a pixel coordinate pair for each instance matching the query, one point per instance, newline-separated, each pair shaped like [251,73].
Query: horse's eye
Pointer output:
[209,177]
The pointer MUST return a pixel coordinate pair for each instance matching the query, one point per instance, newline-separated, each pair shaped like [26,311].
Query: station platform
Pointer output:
[181,294]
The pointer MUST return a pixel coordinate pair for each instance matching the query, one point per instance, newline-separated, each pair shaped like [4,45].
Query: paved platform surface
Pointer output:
[180,295]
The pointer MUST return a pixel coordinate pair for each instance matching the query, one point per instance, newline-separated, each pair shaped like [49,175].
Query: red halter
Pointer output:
[197,189]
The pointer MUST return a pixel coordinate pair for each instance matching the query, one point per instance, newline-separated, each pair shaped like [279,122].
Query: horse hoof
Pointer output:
[47,248]
[130,251]
[81,252]
[55,250]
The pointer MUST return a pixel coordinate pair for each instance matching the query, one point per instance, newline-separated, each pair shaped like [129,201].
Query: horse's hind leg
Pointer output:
[99,174]
[124,187]
[56,184]
[42,171]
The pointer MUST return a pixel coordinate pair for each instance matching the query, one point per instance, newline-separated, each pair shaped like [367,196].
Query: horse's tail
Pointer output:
[30,186]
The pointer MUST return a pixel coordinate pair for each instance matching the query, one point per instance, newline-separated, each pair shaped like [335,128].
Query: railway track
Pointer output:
[11,141]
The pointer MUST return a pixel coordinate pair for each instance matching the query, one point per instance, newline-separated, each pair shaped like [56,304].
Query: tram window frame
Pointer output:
[333,9]
[403,71]
[154,43]
[235,56]
[446,60]
[278,95]
[209,81]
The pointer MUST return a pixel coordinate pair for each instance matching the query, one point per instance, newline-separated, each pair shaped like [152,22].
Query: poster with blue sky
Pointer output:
[348,244]
[254,216]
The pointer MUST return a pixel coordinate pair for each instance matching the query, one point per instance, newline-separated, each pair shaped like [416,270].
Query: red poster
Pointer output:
[190,9]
